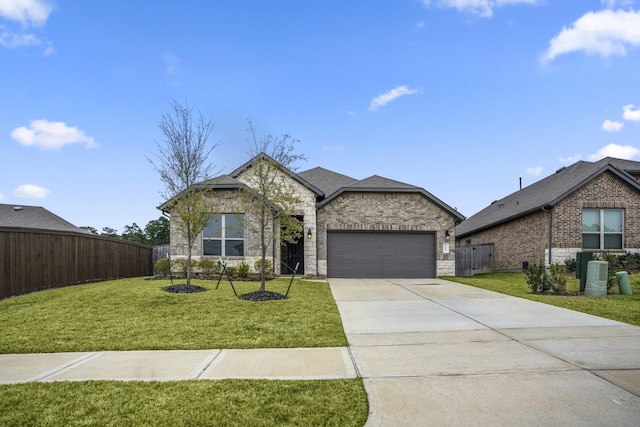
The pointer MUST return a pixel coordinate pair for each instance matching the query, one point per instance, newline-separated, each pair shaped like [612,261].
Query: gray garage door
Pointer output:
[381,254]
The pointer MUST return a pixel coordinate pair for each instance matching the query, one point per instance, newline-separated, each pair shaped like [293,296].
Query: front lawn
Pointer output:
[136,314]
[185,403]
[623,308]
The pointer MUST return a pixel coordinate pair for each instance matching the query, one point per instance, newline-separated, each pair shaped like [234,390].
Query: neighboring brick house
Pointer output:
[22,216]
[584,207]
[374,227]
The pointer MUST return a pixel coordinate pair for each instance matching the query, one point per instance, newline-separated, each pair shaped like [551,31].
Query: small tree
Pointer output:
[271,199]
[182,162]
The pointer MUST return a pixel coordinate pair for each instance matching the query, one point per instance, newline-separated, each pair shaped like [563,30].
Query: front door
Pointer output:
[292,254]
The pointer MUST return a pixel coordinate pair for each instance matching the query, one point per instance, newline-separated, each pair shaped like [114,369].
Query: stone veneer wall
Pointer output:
[222,202]
[387,212]
[307,209]
[527,238]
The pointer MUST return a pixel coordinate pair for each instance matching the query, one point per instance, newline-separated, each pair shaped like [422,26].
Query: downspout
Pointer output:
[550,215]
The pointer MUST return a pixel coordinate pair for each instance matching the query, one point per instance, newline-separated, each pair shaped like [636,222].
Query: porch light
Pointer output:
[446,235]
[309,234]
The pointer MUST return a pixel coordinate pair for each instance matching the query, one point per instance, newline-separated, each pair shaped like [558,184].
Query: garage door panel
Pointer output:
[381,254]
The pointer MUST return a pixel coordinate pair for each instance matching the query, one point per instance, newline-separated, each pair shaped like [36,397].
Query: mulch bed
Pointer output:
[262,296]
[184,289]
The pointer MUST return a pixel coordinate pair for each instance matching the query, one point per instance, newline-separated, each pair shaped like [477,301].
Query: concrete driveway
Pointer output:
[437,353]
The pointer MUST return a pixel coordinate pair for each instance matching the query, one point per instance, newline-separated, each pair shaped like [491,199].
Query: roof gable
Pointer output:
[378,184]
[546,193]
[263,156]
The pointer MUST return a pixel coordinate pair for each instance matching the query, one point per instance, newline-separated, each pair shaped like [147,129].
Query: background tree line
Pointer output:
[155,233]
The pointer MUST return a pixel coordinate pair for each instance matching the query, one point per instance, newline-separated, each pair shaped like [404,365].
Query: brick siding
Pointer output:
[369,211]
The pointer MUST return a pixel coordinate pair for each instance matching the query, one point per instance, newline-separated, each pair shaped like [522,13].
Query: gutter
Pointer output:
[550,215]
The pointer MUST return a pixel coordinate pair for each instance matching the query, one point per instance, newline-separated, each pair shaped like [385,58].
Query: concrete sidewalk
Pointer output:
[438,353]
[282,364]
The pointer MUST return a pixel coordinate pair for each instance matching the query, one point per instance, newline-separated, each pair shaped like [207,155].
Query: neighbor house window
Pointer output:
[224,235]
[602,228]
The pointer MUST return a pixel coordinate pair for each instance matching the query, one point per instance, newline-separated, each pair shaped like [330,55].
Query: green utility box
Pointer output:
[582,262]
[623,282]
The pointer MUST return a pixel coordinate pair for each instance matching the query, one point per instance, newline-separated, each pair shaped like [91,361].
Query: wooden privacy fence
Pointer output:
[475,259]
[32,260]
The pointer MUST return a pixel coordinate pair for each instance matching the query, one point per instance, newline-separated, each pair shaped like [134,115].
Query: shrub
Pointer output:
[268,266]
[535,276]
[180,265]
[558,279]
[570,263]
[162,267]
[209,267]
[243,270]
[233,271]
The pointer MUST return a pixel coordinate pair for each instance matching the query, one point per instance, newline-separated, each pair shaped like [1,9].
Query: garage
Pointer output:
[381,254]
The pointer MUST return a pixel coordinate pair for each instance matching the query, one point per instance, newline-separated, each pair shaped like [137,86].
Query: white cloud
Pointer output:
[605,32]
[630,113]
[616,3]
[51,135]
[569,159]
[1,196]
[612,126]
[30,191]
[535,171]
[613,150]
[26,12]
[482,8]
[385,98]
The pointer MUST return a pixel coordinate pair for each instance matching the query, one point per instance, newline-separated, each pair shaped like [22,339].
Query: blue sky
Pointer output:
[460,97]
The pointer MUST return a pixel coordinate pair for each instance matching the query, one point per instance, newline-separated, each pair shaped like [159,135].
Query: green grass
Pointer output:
[136,314]
[185,403]
[623,308]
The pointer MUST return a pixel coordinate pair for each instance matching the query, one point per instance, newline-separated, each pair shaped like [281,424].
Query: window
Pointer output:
[602,228]
[224,235]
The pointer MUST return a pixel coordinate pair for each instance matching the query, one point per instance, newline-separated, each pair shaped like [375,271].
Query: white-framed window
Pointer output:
[224,235]
[602,228]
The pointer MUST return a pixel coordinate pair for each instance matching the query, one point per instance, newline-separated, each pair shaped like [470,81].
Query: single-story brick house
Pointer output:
[375,227]
[588,206]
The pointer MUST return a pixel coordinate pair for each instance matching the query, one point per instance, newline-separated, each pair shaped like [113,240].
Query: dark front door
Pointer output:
[291,254]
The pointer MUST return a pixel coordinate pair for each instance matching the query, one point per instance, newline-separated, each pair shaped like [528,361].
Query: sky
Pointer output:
[460,97]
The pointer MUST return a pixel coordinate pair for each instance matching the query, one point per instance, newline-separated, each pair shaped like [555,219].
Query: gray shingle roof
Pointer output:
[381,183]
[327,185]
[33,217]
[547,192]
[327,181]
